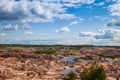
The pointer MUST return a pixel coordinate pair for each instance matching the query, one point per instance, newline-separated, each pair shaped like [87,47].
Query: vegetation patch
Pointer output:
[110,56]
[114,56]
[71,76]
[100,55]
[95,72]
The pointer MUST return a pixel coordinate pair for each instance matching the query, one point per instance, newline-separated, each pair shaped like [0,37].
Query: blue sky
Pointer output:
[68,22]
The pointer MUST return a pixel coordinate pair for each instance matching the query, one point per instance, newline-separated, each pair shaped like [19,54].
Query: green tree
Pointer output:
[95,72]
[71,76]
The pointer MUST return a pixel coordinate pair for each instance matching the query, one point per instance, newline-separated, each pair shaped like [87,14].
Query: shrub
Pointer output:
[100,55]
[95,72]
[71,76]
[114,56]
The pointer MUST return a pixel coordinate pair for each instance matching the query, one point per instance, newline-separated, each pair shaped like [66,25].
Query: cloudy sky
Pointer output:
[71,22]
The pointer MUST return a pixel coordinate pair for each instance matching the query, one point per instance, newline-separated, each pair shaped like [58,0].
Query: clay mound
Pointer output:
[6,73]
[17,55]
[100,50]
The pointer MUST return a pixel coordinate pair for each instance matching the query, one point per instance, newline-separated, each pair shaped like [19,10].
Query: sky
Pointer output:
[66,22]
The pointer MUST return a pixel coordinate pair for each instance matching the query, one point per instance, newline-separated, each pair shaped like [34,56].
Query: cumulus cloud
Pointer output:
[28,32]
[63,30]
[37,10]
[115,8]
[114,22]
[115,11]
[106,36]
[110,34]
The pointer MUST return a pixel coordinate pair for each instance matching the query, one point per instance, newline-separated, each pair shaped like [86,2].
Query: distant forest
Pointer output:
[34,45]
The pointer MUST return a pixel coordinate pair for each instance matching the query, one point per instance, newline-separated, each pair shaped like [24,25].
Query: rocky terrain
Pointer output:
[23,63]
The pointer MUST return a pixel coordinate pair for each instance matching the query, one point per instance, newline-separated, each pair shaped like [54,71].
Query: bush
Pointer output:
[100,55]
[95,72]
[71,76]
[114,56]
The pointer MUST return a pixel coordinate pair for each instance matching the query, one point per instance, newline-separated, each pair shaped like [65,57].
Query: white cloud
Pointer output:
[115,8]
[2,34]
[9,27]
[65,16]
[104,37]
[67,28]
[99,4]
[80,20]
[26,27]
[76,1]
[87,34]
[37,10]
[114,22]
[74,41]
[105,34]
[76,22]
[63,30]
[64,41]
[28,32]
